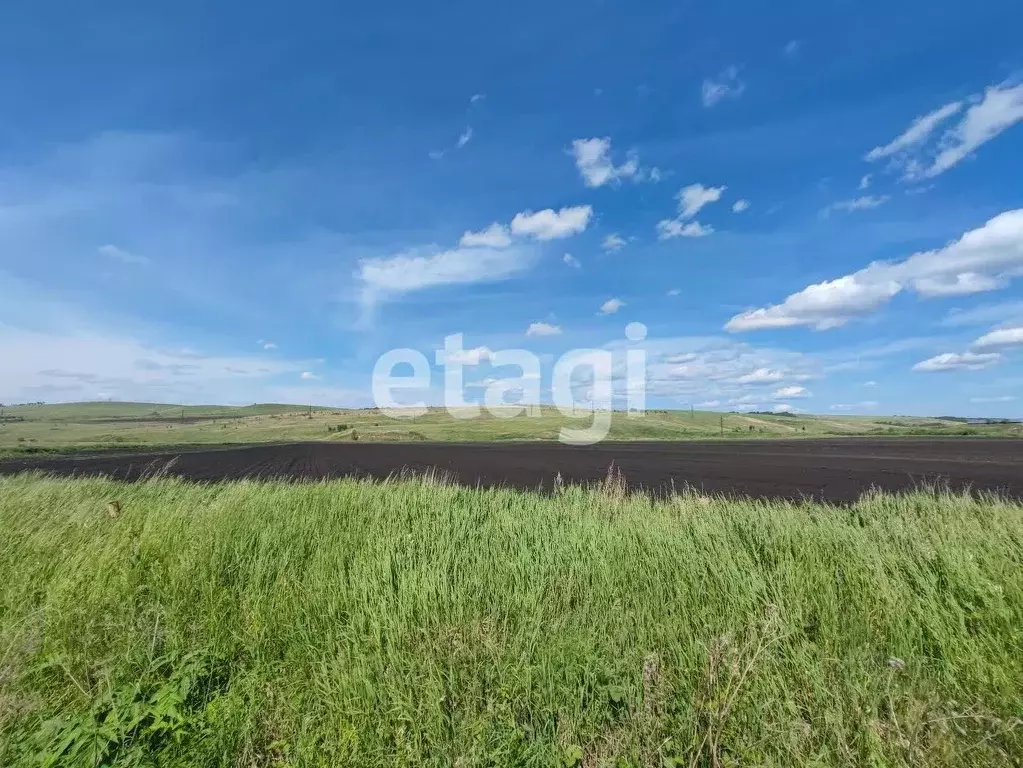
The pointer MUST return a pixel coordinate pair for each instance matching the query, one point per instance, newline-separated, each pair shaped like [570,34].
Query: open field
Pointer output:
[77,426]
[417,624]
[829,469]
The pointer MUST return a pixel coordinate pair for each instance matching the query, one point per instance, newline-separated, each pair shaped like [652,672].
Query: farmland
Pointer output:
[84,426]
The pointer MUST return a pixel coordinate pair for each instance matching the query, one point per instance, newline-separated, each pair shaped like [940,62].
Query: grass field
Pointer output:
[77,426]
[413,623]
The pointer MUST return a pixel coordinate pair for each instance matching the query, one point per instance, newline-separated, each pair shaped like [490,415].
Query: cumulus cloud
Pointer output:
[691,200]
[494,236]
[782,408]
[786,393]
[1001,338]
[982,259]
[549,224]
[593,160]
[268,345]
[309,376]
[740,205]
[725,85]
[543,329]
[571,260]
[613,242]
[611,306]
[465,137]
[958,361]
[694,197]
[865,181]
[917,132]
[996,399]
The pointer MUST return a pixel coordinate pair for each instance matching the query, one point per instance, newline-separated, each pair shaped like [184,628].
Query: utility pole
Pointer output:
[692,412]
[722,425]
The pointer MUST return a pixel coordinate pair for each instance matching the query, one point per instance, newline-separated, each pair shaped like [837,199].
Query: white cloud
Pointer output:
[269,345]
[708,404]
[613,242]
[593,160]
[982,259]
[870,383]
[383,278]
[494,236]
[691,200]
[571,260]
[792,47]
[724,85]
[611,306]
[740,205]
[786,393]
[988,114]
[674,292]
[1000,108]
[782,408]
[985,314]
[694,197]
[309,376]
[465,137]
[1001,338]
[543,329]
[87,364]
[863,203]
[760,376]
[477,97]
[865,181]
[549,224]
[119,254]
[958,361]
[998,399]
[669,228]
[917,133]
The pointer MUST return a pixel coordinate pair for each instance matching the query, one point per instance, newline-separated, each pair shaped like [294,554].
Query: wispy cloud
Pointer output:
[543,329]
[958,361]
[725,85]
[983,117]
[613,242]
[611,306]
[119,254]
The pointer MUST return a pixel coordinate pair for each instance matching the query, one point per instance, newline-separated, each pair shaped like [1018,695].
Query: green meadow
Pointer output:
[413,623]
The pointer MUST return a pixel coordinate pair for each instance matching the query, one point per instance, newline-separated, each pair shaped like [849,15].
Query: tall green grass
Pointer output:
[412,623]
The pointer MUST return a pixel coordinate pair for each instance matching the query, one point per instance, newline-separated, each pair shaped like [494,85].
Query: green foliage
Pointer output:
[414,623]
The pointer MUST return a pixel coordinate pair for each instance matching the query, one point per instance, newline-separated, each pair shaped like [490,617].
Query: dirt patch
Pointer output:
[835,470]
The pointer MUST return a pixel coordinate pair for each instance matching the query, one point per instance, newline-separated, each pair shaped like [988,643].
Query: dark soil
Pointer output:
[835,470]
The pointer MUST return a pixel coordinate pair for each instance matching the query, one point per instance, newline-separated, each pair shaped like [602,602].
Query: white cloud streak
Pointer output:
[980,260]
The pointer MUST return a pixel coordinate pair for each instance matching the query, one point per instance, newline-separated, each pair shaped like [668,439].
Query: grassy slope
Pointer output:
[79,425]
[411,624]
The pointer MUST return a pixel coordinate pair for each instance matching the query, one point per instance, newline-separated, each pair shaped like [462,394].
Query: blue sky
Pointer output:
[816,206]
